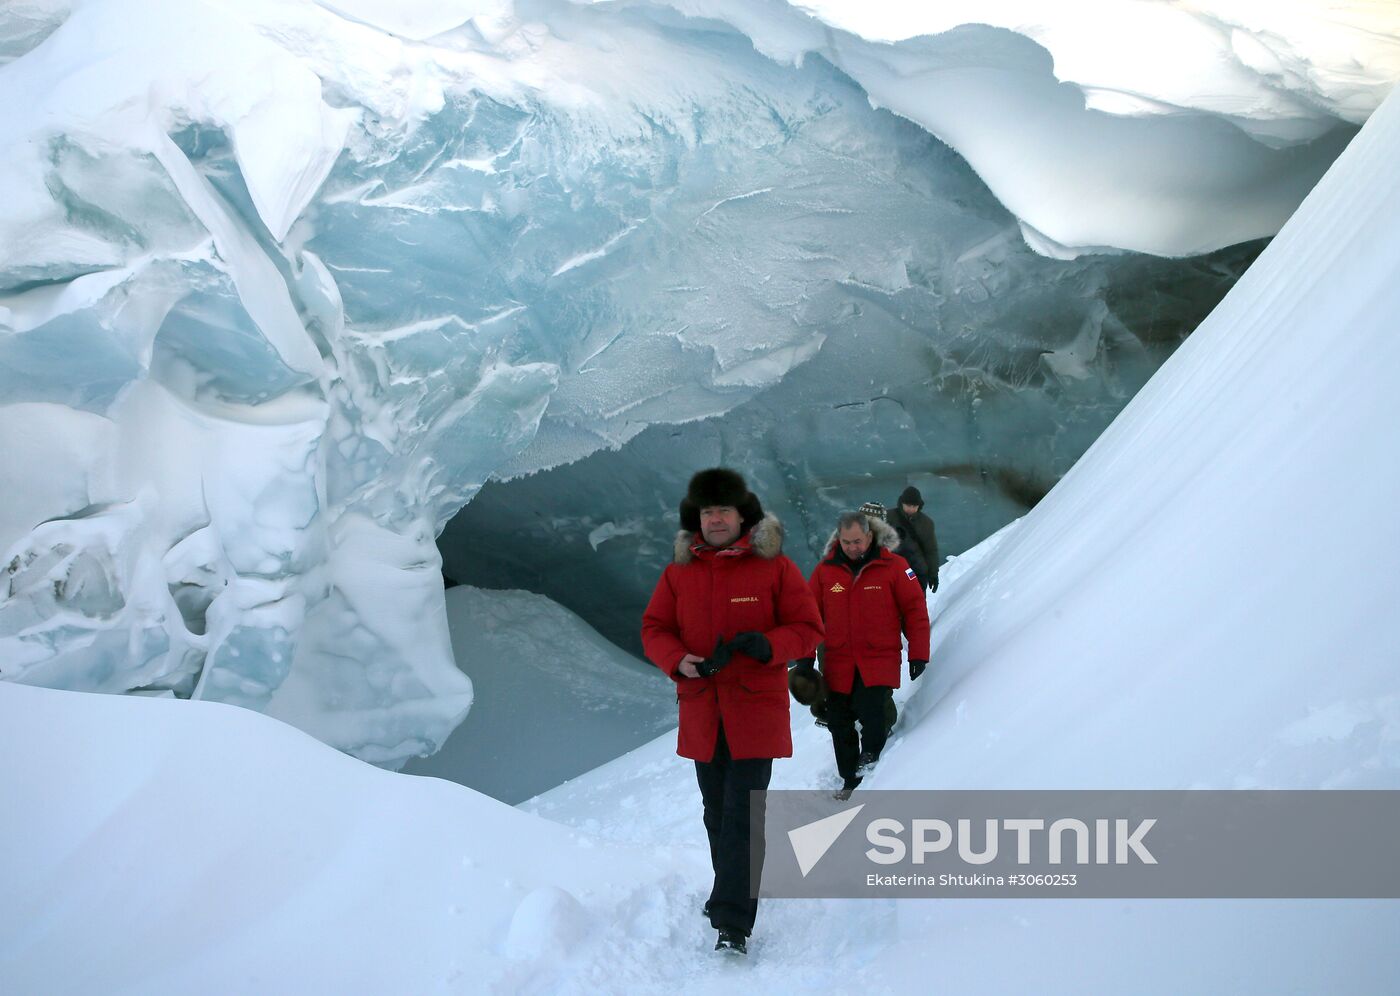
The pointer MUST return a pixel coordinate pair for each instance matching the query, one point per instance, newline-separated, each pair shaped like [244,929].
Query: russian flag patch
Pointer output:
[909,572]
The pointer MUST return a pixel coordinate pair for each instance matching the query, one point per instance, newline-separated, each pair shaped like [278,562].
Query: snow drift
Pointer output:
[553,698]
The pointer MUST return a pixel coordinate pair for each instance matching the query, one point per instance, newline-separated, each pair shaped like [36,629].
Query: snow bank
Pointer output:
[162,847]
[552,698]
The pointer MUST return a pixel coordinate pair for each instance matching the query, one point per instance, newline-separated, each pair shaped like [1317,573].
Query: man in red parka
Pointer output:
[868,596]
[727,615]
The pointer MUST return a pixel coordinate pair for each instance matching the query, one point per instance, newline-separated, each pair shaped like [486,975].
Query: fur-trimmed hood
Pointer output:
[765,540]
[885,536]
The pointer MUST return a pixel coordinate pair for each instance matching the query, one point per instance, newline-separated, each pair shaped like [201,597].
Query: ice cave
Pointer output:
[355,356]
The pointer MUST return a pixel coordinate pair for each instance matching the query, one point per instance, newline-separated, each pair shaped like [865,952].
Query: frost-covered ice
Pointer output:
[1153,126]
[282,285]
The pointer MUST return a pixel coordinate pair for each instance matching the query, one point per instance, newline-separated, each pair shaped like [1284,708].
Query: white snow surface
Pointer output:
[1256,59]
[1151,624]
[417,19]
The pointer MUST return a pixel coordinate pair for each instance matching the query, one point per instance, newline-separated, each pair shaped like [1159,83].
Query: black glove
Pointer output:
[754,645]
[716,661]
[916,668]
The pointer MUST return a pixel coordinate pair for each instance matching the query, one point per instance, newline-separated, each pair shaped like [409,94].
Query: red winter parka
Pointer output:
[708,594]
[865,614]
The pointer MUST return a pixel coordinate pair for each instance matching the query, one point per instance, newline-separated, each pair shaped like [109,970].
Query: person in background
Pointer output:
[909,517]
[908,548]
[726,616]
[868,596]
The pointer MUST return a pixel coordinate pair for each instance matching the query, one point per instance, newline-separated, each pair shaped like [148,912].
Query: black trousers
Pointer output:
[864,705]
[725,785]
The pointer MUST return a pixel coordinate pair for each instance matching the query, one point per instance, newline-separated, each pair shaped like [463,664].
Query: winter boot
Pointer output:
[865,764]
[732,942]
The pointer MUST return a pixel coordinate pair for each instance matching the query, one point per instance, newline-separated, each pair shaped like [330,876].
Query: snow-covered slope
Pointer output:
[1206,599]
[154,846]
[552,698]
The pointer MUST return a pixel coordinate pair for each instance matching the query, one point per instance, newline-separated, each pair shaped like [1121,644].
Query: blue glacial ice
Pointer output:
[284,285]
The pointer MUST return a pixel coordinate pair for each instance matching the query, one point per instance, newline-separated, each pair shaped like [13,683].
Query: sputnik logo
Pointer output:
[811,841]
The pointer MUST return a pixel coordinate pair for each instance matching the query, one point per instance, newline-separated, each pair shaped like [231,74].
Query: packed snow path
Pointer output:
[651,795]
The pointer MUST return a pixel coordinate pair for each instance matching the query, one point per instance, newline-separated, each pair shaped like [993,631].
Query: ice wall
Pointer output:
[1159,127]
[283,284]
[979,372]
[176,379]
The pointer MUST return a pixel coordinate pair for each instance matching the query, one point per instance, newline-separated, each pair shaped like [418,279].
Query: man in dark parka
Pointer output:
[908,517]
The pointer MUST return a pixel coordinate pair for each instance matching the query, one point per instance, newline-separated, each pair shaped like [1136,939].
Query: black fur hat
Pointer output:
[719,486]
[808,686]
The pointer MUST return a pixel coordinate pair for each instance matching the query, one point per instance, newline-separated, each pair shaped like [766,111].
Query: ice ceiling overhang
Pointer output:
[1149,125]
[282,284]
